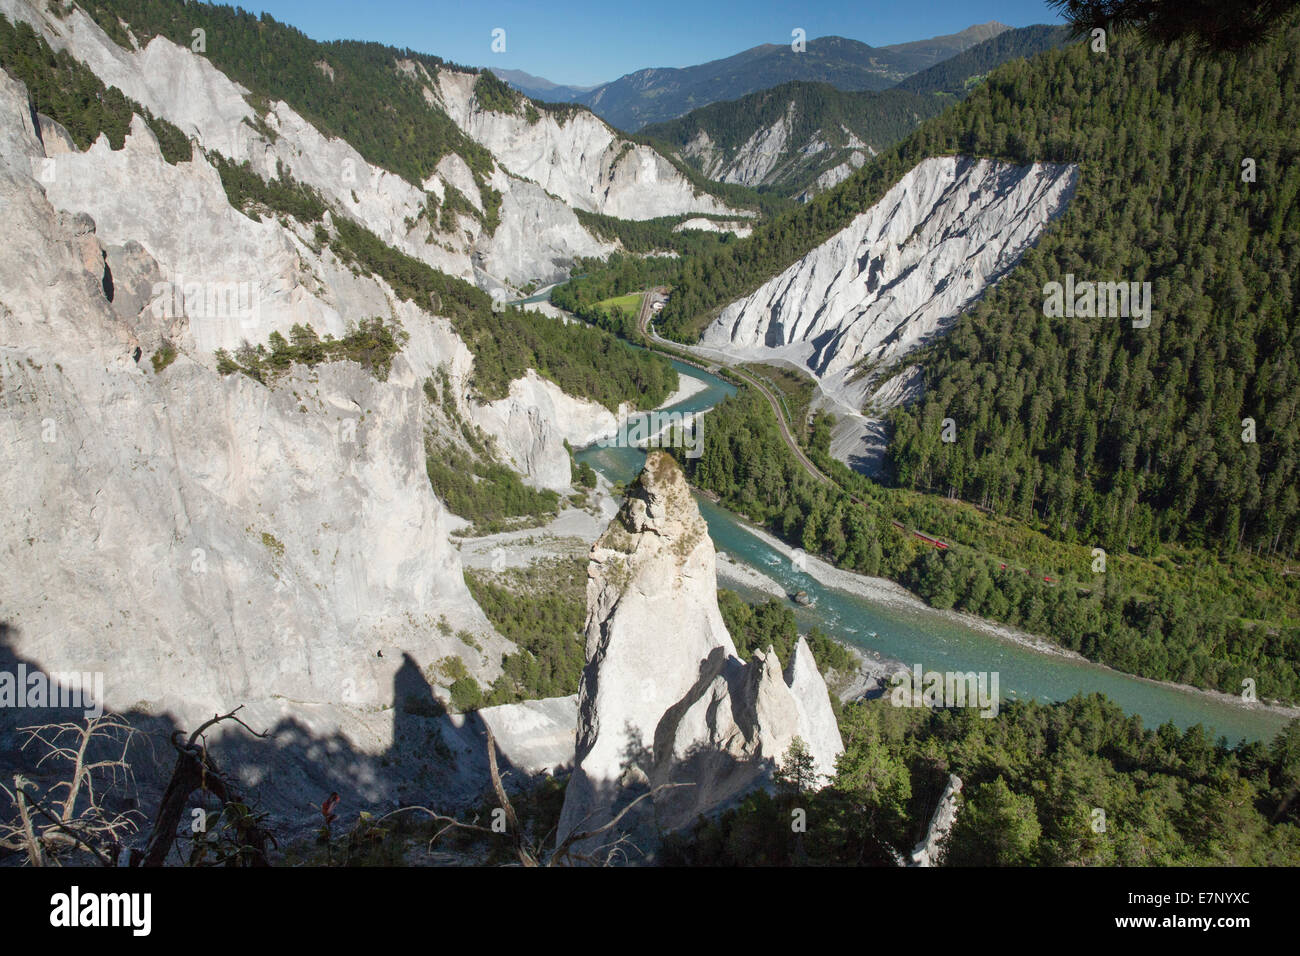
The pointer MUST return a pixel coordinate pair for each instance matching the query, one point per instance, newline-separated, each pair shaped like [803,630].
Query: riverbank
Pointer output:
[890,593]
[873,671]
[687,387]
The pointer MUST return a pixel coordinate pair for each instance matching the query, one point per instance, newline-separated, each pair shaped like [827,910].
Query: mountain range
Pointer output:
[273,443]
[800,138]
[657,94]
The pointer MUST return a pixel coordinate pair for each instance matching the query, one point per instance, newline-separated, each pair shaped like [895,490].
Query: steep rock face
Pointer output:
[706,154]
[576,157]
[178,217]
[899,273]
[779,152]
[532,736]
[837,174]
[820,730]
[203,540]
[537,239]
[534,421]
[895,277]
[186,89]
[759,155]
[664,698]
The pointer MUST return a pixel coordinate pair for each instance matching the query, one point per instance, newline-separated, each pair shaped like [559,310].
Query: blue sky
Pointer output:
[584,42]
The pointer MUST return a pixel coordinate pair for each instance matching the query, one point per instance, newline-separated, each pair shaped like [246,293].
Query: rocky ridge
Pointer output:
[576,156]
[538,235]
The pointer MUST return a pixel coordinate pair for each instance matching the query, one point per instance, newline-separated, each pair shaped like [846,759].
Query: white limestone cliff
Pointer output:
[819,728]
[894,278]
[534,421]
[770,156]
[179,216]
[180,219]
[575,156]
[837,173]
[538,237]
[741,230]
[758,156]
[665,702]
[899,273]
[203,540]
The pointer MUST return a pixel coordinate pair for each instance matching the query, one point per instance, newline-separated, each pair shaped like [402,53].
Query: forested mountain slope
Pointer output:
[957,74]
[1121,435]
[787,135]
[801,138]
[659,94]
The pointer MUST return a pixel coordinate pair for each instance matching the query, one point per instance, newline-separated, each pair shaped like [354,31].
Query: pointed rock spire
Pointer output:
[666,704]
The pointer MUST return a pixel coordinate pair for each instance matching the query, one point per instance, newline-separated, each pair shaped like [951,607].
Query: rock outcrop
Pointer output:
[899,273]
[532,736]
[202,540]
[533,422]
[665,702]
[780,152]
[758,156]
[926,853]
[836,174]
[741,230]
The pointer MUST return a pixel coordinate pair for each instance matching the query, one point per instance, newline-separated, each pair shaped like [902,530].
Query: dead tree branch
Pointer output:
[197,770]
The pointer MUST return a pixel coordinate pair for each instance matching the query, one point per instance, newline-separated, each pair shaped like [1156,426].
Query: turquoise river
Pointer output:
[935,640]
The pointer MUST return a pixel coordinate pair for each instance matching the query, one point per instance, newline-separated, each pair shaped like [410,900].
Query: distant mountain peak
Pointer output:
[524,81]
[658,94]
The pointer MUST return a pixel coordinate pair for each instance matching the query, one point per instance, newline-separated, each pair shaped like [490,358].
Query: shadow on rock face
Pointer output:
[435,759]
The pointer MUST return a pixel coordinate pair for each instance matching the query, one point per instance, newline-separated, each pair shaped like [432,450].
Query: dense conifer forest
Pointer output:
[1121,436]
[1033,781]
[878,118]
[1184,616]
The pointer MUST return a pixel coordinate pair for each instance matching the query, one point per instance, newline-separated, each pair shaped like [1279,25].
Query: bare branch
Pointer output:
[50,822]
[526,857]
[218,718]
[196,770]
[580,836]
[28,832]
